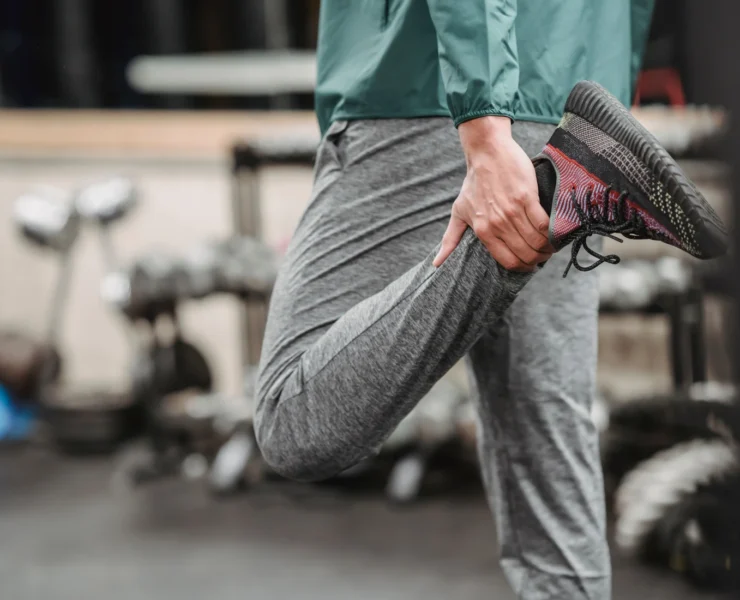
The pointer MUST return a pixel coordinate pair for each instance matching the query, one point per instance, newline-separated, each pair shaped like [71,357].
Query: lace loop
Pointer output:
[613,217]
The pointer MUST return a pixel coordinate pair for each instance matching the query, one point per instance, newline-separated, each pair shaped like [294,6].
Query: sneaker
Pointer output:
[610,176]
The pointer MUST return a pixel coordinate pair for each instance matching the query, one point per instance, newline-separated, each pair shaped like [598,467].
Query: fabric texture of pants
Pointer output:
[361,325]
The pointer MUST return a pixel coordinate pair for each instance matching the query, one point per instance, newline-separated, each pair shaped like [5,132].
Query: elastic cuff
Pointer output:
[490,112]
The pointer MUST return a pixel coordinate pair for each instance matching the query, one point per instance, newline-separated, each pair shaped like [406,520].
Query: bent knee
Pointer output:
[296,457]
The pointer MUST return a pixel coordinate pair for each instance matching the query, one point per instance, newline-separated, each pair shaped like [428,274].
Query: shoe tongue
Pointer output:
[546,182]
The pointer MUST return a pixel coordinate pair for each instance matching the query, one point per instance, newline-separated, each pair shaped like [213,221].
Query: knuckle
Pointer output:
[497,222]
[482,229]
[509,264]
[520,198]
[512,210]
[539,242]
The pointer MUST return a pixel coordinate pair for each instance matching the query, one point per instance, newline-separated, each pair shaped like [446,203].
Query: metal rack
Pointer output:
[248,158]
[684,310]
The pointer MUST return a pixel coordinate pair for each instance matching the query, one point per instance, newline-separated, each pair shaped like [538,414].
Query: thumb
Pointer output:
[539,219]
[451,239]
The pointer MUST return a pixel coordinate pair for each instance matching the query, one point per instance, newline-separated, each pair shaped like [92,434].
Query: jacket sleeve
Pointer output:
[477,50]
[641,18]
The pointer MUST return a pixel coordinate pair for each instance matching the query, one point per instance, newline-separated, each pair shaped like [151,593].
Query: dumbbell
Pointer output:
[200,267]
[627,286]
[47,218]
[104,203]
[246,266]
[151,285]
[636,284]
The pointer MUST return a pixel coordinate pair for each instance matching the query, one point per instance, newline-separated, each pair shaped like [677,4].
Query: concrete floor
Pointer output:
[65,534]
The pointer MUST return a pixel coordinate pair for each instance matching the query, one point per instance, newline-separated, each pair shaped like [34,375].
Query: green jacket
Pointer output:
[469,58]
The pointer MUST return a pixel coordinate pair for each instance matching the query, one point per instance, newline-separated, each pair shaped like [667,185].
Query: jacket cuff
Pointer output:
[488,112]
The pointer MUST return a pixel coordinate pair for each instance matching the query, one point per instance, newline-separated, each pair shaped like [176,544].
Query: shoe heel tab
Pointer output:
[540,157]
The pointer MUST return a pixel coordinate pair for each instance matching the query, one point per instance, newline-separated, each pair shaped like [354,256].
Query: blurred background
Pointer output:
[155,156]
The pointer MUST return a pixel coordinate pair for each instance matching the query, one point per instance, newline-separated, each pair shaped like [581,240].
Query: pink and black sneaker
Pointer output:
[608,175]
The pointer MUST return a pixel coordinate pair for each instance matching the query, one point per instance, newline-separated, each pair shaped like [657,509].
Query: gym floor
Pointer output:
[66,533]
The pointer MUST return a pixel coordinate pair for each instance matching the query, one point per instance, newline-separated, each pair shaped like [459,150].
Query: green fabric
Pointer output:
[469,58]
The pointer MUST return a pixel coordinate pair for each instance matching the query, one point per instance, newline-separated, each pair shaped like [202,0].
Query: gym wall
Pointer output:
[185,197]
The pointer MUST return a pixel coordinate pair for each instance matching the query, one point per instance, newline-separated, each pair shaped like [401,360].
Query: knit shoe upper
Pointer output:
[614,178]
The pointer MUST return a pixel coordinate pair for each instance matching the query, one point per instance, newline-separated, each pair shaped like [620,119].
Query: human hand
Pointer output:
[499,199]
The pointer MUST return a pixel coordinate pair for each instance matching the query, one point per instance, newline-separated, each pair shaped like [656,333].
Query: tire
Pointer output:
[90,421]
[659,486]
[641,429]
[699,537]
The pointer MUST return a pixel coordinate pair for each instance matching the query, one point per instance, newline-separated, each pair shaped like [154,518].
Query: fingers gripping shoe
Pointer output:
[613,177]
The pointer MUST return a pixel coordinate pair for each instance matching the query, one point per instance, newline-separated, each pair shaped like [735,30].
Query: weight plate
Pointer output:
[90,421]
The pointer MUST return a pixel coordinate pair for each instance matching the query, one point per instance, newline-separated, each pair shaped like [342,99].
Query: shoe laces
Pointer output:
[607,219]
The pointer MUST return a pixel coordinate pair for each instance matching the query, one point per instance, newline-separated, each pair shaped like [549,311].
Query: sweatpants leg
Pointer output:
[535,376]
[361,325]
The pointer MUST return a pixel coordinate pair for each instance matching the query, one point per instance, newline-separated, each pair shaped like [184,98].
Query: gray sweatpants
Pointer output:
[361,325]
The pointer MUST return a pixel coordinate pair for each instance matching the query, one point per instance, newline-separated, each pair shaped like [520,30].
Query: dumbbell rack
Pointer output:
[248,159]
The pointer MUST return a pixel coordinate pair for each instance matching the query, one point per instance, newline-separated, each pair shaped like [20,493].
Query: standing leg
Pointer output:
[535,374]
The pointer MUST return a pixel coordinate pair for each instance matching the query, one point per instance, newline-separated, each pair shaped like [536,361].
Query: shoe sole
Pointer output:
[592,102]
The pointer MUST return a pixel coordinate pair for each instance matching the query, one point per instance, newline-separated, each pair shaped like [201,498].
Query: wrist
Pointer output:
[482,136]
